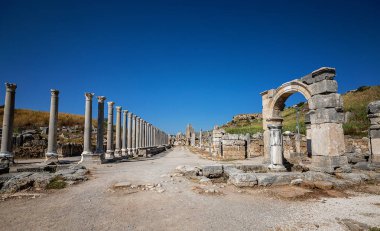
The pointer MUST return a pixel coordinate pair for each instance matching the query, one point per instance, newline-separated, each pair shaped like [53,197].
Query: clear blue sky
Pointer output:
[178,62]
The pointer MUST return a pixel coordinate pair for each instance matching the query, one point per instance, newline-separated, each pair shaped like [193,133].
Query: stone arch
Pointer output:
[325,119]
[284,92]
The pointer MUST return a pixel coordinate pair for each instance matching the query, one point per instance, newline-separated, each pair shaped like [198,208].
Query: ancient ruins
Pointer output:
[321,161]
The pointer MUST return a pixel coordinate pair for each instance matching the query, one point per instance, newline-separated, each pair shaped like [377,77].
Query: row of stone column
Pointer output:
[132,132]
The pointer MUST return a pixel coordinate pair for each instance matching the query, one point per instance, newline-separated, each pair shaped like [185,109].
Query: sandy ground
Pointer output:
[94,205]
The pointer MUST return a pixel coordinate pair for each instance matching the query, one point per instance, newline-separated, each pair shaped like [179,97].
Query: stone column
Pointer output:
[137,134]
[200,139]
[100,131]
[87,125]
[374,133]
[6,155]
[134,131]
[129,134]
[276,148]
[51,154]
[124,150]
[118,133]
[110,151]
[142,133]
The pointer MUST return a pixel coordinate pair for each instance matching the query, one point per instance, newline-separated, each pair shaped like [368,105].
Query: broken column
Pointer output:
[87,125]
[374,132]
[100,130]
[118,133]
[52,154]
[129,143]
[110,151]
[276,156]
[124,149]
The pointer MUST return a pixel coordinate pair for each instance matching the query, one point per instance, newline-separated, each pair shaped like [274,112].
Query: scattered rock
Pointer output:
[296,182]
[125,184]
[325,185]
[243,179]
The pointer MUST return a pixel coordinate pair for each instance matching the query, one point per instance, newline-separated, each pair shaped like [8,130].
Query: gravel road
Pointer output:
[95,205]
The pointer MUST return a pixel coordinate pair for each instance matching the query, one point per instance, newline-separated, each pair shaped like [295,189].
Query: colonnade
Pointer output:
[132,133]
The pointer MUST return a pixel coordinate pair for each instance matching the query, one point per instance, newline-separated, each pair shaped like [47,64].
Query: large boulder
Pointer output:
[188,170]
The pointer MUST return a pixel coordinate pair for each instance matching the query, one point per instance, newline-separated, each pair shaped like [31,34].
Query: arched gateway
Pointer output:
[324,122]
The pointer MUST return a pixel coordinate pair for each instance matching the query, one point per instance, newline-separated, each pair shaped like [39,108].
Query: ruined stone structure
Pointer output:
[374,132]
[326,118]
[217,134]
[233,147]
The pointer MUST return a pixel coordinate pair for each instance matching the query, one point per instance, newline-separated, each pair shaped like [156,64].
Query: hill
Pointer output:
[355,106]
[30,119]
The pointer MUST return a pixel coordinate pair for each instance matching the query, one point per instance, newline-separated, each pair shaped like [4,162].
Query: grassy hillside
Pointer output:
[355,102]
[25,119]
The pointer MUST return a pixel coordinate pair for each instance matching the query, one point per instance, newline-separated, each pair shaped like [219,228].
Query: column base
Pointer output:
[5,164]
[117,153]
[129,151]
[8,155]
[277,168]
[51,158]
[92,158]
[109,155]
[124,152]
[329,164]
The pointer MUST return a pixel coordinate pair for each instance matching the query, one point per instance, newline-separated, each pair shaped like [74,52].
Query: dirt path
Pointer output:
[93,205]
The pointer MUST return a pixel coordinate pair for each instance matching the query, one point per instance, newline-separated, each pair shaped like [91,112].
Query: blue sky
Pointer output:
[179,62]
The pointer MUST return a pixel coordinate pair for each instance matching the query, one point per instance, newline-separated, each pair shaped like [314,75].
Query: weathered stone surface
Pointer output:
[356,178]
[212,171]
[204,180]
[333,100]
[188,170]
[229,170]
[325,185]
[323,87]
[374,107]
[124,184]
[326,115]
[319,75]
[328,139]
[329,164]
[243,179]
[296,181]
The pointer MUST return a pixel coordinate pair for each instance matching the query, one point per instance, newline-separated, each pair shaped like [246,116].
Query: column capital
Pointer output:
[130,114]
[134,116]
[118,108]
[110,103]
[125,112]
[11,86]
[138,118]
[89,95]
[101,99]
[54,92]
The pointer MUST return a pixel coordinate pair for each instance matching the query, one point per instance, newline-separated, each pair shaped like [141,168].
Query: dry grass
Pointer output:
[25,118]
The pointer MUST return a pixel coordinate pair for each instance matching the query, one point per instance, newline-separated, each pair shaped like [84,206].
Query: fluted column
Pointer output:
[100,131]
[51,153]
[129,134]
[134,131]
[110,151]
[124,150]
[118,132]
[143,134]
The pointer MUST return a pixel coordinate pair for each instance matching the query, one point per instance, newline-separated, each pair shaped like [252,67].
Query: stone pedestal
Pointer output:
[276,156]
[6,154]
[52,155]
[118,133]
[110,151]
